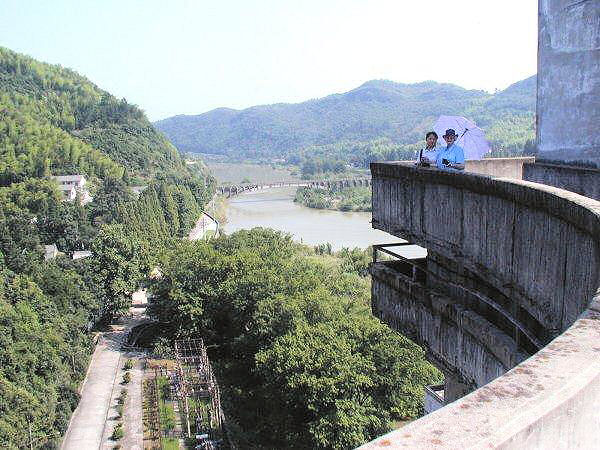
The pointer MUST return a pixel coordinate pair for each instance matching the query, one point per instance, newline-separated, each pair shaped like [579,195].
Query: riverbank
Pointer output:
[275,208]
[347,199]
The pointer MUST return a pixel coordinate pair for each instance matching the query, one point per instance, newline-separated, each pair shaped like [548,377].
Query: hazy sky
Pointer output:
[187,57]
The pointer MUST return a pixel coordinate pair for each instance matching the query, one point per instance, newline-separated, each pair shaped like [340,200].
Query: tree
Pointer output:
[117,269]
[307,364]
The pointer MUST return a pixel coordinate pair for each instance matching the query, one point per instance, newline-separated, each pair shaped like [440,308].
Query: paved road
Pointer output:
[204,224]
[87,423]
[93,421]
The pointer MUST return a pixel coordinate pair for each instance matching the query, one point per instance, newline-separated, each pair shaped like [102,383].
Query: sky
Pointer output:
[190,56]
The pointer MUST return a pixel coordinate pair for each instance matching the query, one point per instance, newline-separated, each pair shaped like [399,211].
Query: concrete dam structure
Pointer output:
[568,97]
[506,304]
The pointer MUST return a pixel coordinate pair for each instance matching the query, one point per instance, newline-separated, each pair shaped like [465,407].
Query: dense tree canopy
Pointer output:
[293,337]
[346,199]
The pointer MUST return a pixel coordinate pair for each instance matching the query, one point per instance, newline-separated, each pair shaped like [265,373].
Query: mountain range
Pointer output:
[377,109]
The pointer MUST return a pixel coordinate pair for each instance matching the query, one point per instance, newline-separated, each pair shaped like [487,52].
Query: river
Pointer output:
[275,208]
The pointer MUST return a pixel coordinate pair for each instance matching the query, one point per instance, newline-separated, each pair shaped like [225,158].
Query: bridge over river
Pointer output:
[236,189]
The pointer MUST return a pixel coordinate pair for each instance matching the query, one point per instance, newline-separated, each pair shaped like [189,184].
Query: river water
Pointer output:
[275,208]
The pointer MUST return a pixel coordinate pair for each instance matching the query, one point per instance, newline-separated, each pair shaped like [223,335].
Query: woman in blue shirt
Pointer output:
[453,156]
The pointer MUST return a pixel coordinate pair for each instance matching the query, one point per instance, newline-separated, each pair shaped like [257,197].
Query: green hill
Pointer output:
[74,124]
[380,110]
[56,122]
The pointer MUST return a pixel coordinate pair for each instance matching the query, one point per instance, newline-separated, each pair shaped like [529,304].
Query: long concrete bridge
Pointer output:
[506,303]
[231,190]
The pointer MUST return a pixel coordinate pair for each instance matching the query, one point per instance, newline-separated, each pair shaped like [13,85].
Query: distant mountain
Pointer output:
[377,109]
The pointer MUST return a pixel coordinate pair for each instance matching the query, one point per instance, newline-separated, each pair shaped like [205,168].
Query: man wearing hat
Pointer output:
[453,156]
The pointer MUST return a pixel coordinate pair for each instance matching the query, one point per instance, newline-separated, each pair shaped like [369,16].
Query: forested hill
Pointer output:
[65,120]
[55,122]
[380,109]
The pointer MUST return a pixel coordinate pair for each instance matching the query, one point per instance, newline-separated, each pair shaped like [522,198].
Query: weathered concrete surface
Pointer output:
[550,401]
[525,239]
[499,167]
[584,181]
[534,244]
[457,339]
[568,90]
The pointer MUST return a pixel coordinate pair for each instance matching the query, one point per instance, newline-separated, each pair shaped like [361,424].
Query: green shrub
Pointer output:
[126,378]
[128,365]
[120,410]
[118,432]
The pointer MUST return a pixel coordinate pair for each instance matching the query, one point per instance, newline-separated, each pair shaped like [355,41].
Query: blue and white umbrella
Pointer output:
[470,137]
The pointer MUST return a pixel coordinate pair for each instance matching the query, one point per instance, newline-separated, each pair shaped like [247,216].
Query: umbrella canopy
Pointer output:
[470,137]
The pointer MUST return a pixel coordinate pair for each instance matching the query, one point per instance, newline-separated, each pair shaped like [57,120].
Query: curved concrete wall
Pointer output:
[462,343]
[538,245]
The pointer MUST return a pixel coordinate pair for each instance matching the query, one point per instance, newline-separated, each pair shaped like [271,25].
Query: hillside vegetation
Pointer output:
[302,361]
[379,119]
[55,122]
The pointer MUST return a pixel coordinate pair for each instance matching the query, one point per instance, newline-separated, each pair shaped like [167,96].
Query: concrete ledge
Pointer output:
[413,302]
[499,167]
[548,401]
[567,205]
[538,242]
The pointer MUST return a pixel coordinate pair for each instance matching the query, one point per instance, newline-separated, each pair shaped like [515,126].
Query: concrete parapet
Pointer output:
[549,401]
[499,167]
[538,246]
[581,180]
[523,238]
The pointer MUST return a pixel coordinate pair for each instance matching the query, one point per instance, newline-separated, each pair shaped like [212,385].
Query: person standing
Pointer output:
[453,156]
[428,155]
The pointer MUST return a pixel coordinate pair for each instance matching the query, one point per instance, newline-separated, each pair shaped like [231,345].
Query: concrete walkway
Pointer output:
[132,411]
[93,421]
[87,422]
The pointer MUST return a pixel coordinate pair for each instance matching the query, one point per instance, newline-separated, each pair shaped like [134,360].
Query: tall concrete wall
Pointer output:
[568,91]
[461,342]
[526,242]
[536,245]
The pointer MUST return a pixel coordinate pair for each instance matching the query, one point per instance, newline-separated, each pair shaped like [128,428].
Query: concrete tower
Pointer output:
[568,91]
[568,97]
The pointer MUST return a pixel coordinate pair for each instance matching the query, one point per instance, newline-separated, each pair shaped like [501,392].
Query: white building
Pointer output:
[71,185]
[50,252]
[434,398]
[78,181]
[81,254]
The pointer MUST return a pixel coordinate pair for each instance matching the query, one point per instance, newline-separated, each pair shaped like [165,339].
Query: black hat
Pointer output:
[450,132]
